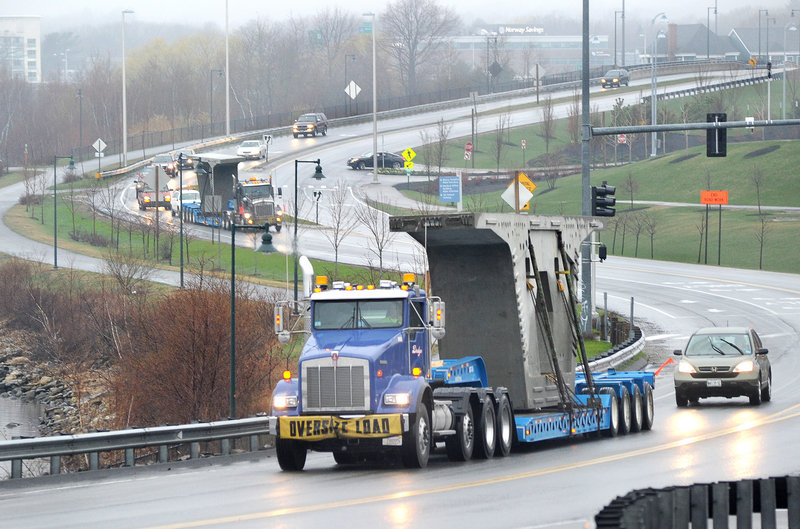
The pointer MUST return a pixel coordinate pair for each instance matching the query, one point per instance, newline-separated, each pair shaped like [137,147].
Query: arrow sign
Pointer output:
[99,145]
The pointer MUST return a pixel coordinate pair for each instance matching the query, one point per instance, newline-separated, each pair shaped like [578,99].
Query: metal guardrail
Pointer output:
[694,505]
[162,437]
[711,88]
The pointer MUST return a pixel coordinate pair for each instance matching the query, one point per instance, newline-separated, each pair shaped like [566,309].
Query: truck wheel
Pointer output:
[486,432]
[613,414]
[506,429]
[295,135]
[277,228]
[291,454]
[648,407]
[636,409]
[625,411]
[417,440]
[461,445]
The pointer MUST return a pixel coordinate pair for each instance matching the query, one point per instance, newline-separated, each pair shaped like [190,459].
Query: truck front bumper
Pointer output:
[320,427]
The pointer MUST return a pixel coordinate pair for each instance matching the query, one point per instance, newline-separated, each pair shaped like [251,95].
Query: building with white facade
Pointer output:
[21,47]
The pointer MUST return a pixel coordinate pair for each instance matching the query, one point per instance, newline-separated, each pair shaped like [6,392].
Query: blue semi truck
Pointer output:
[379,377]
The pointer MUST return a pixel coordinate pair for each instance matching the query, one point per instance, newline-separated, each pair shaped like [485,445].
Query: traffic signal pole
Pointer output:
[587,303]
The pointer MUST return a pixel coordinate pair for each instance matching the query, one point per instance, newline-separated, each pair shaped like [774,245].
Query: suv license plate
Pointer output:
[714,383]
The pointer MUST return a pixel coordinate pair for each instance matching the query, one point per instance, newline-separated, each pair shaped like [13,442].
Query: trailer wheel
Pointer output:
[613,415]
[648,407]
[417,441]
[505,426]
[291,454]
[461,445]
[625,411]
[486,432]
[636,409]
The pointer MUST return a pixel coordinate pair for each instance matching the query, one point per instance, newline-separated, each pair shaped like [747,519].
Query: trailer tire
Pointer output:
[486,431]
[613,415]
[461,445]
[637,409]
[506,430]
[417,441]
[648,407]
[291,454]
[625,411]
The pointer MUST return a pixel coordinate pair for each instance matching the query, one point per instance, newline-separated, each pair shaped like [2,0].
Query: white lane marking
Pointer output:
[640,304]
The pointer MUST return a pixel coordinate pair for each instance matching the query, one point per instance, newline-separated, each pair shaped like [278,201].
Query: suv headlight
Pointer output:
[744,367]
[396,399]
[282,402]
[686,368]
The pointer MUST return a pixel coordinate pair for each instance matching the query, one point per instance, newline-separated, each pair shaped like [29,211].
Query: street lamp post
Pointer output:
[211,98]
[766,13]
[180,208]
[347,97]
[124,96]
[318,176]
[708,31]
[661,17]
[791,27]
[768,21]
[615,36]
[374,120]
[622,21]
[71,167]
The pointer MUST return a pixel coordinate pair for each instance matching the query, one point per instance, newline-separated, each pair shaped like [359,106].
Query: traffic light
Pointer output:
[717,138]
[769,70]
[602,200]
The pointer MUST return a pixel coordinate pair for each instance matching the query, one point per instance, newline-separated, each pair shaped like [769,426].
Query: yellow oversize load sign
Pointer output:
[316,428]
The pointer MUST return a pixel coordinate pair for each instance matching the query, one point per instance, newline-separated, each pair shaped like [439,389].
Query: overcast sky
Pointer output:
[55,13]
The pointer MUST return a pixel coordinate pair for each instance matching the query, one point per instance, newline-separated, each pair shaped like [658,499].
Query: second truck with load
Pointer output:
[378,377]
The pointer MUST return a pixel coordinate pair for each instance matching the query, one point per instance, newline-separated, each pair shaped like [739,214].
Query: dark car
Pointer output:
[386,160]
[615,78]
[723,362]
[187,161]
[310,125]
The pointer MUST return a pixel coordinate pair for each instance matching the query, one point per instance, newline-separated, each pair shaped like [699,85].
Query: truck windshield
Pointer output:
[258,191]
[362,314]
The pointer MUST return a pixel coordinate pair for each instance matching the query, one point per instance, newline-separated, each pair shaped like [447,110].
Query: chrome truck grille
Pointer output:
[264,209]
[338,386]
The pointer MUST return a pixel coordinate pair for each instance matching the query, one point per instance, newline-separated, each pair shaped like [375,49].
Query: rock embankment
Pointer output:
[42,383]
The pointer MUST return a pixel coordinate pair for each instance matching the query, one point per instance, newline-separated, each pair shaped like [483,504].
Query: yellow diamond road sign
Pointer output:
[527,182]
[752,62]
[409,154]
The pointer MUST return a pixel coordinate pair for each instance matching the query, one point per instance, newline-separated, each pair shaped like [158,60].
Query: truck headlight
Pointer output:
[247,215]
[282,402]
[686,368]
[744,367]
[396,399]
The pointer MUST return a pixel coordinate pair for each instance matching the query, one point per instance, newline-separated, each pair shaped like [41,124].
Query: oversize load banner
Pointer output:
[316,428]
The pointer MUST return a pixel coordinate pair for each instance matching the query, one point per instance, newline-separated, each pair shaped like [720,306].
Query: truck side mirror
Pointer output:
[280,330]
[437,325]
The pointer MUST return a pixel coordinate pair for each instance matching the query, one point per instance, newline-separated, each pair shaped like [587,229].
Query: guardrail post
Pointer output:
[94,460]
[162,454]
[664,508]
[225,447]
[793,500]
[699,506]
[720,505]
[744,504]
[254,443]
[195,450]
[681,507]
[766,494]
[630,328]
[55,465]
[16,468]
[129,459]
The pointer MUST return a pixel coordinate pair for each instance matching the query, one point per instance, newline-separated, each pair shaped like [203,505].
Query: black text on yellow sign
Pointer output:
[317,428]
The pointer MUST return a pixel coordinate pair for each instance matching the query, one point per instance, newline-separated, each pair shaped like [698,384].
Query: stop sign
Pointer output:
[468,146]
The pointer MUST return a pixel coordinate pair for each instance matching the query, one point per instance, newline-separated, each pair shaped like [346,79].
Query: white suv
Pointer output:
[190,196]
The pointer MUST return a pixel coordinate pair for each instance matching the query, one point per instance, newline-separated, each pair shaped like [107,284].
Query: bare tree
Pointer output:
[440,146]
[651,226]
[630,186]
[376,223]
[427,152]
[761,237]
[548,123]
[701,229]
[574,117]
[342,222]
[638,226]
[499,139]
[413,31]
[129,272]
[757,177]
